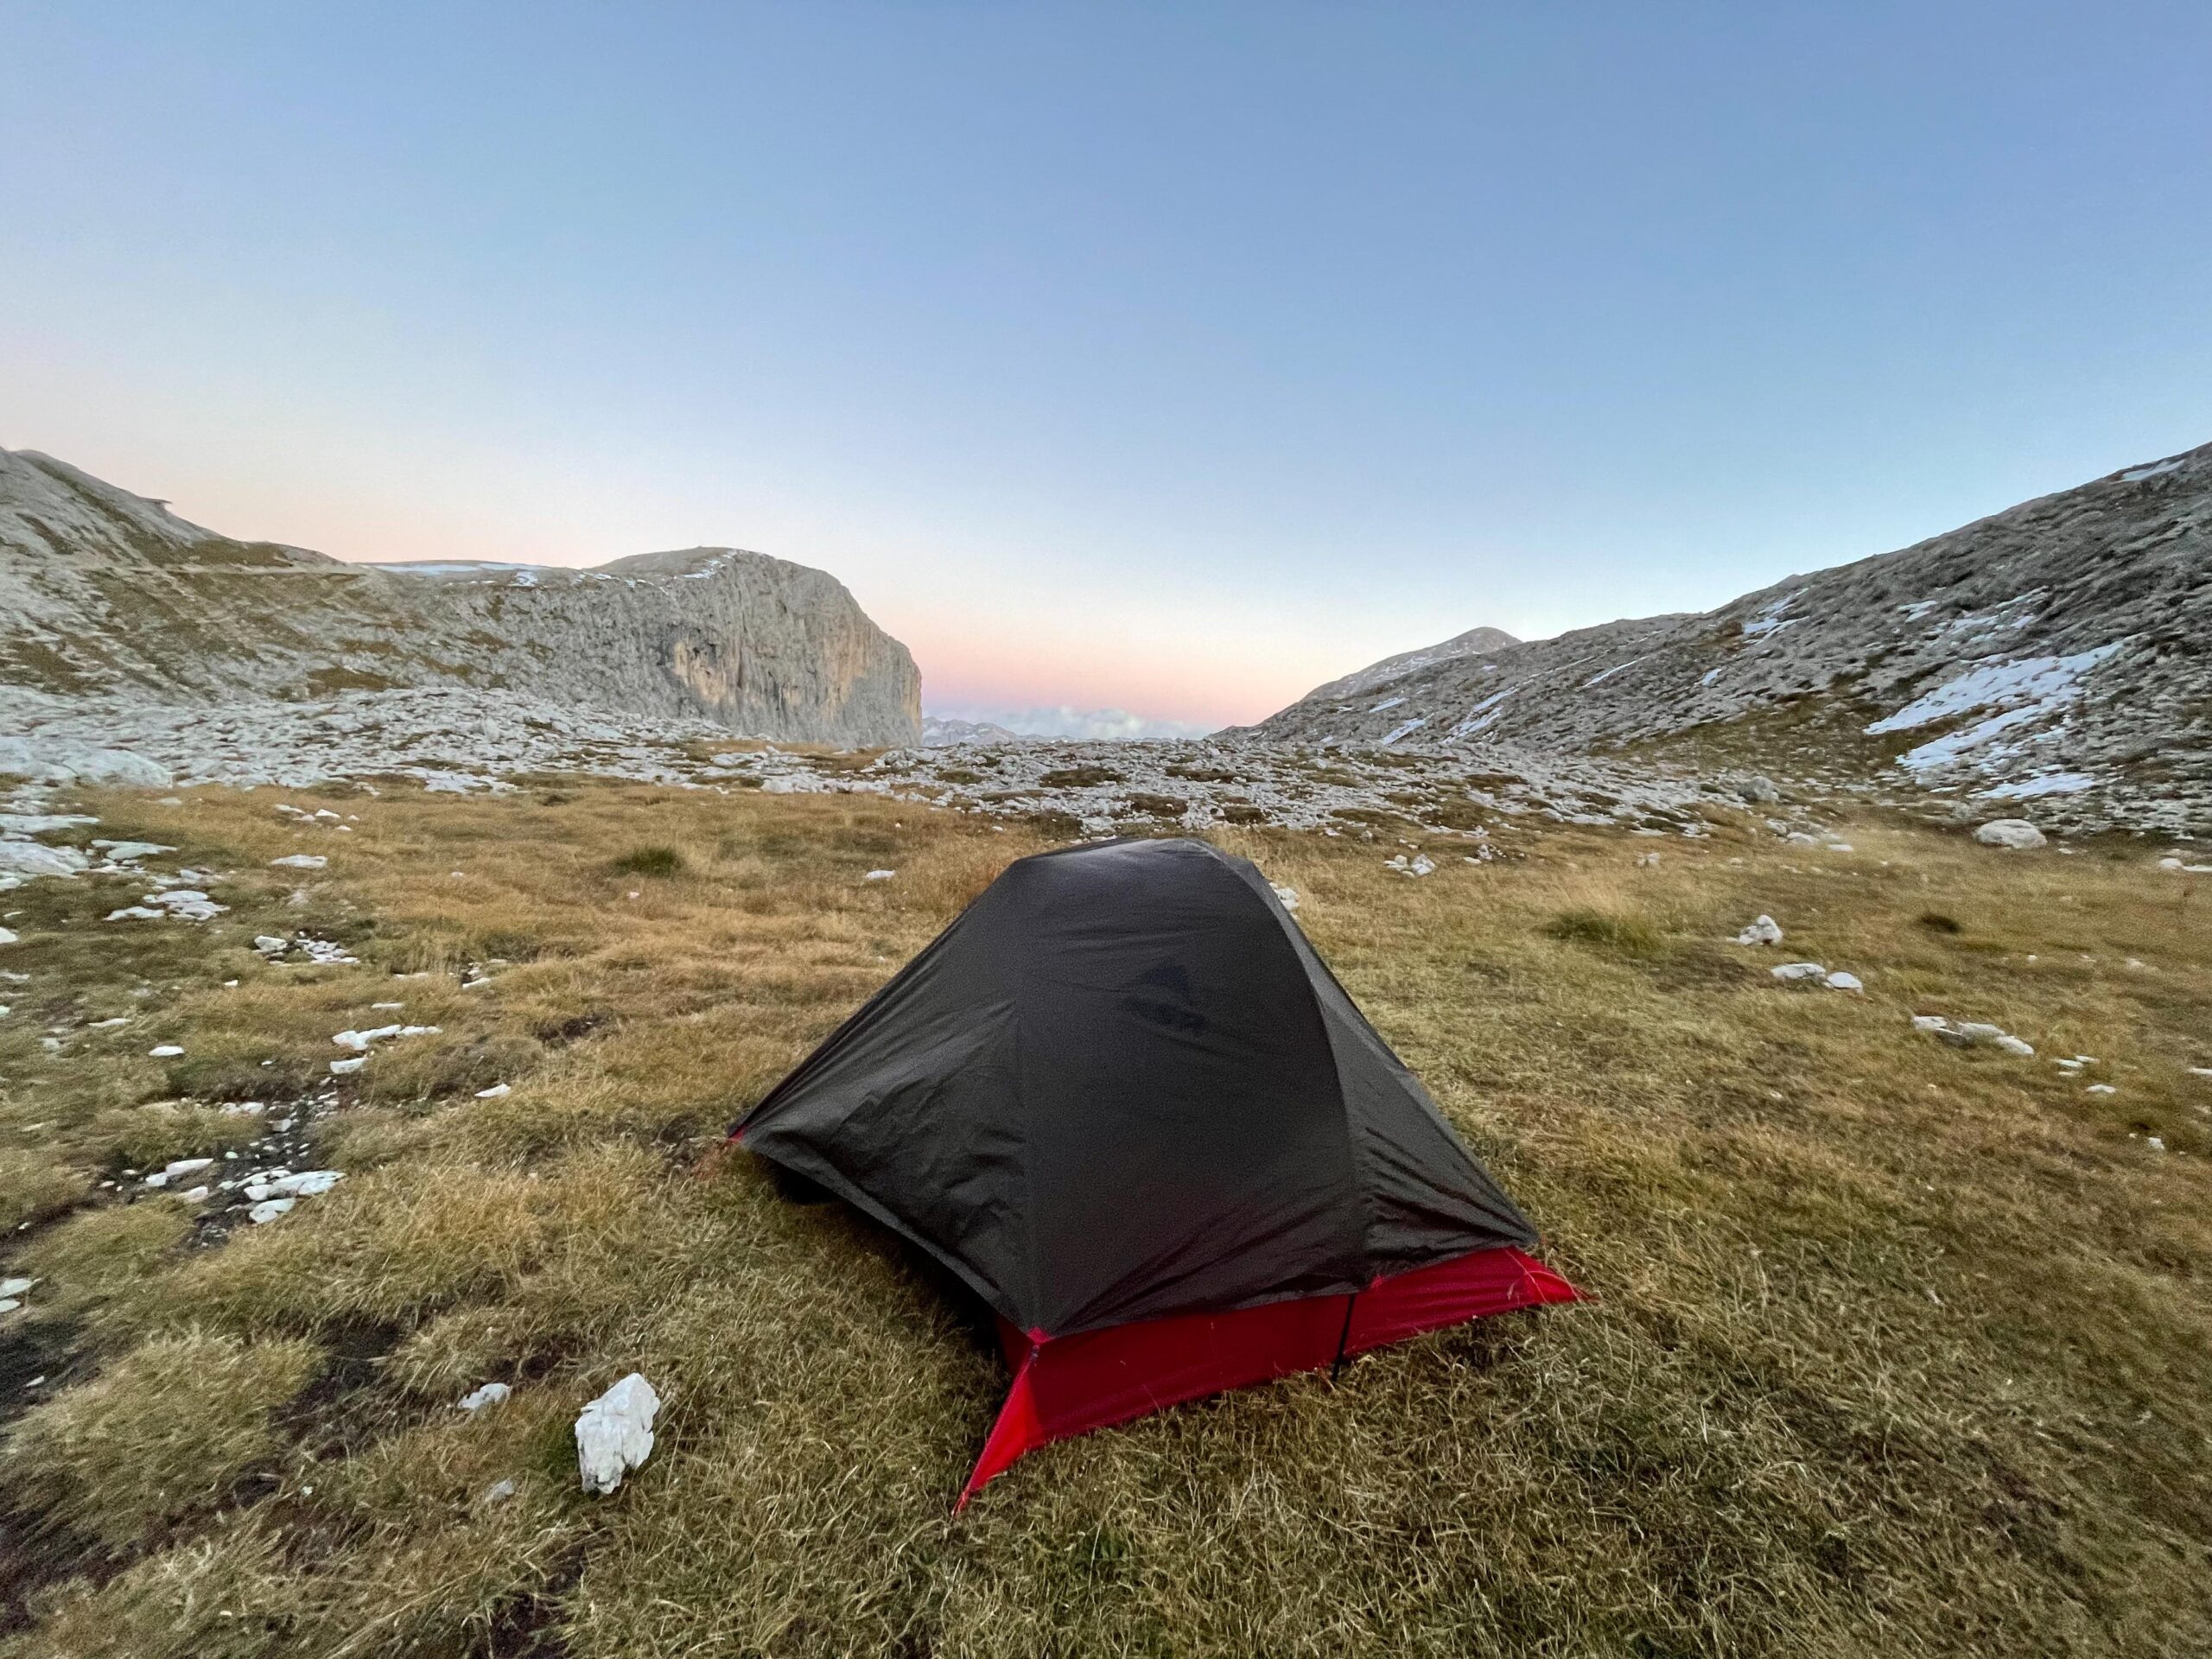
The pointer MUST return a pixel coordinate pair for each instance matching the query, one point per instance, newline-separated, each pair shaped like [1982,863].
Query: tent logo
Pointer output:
[1163,998]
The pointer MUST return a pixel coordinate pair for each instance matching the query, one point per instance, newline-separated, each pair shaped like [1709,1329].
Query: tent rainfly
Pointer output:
[1122,1098]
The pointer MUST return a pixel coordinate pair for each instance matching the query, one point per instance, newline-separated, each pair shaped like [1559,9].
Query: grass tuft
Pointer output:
[660,862]
[1616,931]
[163,1433]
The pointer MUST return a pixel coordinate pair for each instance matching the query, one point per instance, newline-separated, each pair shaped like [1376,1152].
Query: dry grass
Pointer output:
[1893,1347]
[165,1431]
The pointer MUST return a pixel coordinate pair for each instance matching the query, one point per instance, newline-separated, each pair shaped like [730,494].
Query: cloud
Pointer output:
[1064,721]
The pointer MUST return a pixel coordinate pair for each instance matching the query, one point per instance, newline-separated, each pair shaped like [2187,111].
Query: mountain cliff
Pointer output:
[105,592]
[2060,650]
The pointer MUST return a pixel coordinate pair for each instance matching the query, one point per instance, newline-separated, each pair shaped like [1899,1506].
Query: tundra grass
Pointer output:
[1890,1347]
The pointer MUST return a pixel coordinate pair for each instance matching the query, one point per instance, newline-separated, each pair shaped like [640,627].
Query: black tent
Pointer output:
[1122,1090]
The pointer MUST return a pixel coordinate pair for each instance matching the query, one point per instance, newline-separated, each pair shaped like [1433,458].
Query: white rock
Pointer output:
[15,1287]
[124,852]
[1288,895]
[8,1304]
[269,1209]
[1972,1032]
[269,945]
[135,913]
[7,936]
[497,1092]
[881,875]
[165,1051]
[498,1491]
[29,858]
[197,1195]
[361,1039]
[2016,833]
[615,1432]
[1762,932]
[187,1166]
[2100,1089]
[306,1185]
[346,1068]
[299,862]
[1841,980]
[1796,970]
[492,1393]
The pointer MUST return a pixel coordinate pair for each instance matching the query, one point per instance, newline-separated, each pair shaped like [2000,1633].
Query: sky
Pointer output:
[1138,365]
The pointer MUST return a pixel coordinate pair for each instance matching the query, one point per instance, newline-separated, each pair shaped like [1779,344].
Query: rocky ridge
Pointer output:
[2057,654]
[458,740]
[107,593]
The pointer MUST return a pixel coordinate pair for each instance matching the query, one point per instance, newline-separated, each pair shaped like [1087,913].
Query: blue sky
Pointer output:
[1163,359]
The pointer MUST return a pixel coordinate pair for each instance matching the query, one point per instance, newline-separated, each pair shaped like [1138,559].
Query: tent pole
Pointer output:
[1343,1337]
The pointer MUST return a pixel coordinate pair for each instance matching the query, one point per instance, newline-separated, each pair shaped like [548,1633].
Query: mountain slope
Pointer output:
[106,591]
[2059,651]
[1473,642]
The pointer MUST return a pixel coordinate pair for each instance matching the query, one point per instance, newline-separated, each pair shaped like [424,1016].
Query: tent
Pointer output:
[1125,1101]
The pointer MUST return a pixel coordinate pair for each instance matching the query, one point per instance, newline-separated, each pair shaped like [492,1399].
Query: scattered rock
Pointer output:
[615,1432]
[1792,971]
[1765,931]
[1288,895]
[497,1092]
[881,876]
[29,858]
[269,1209]
[346,1068]
[306,1185]
[165,1051]
[492,1393]
[2017,835]
[1971,1034]
[299,862]
[361,1039]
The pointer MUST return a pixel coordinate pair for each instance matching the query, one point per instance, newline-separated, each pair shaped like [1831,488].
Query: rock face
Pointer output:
[105,593]
[2059,652]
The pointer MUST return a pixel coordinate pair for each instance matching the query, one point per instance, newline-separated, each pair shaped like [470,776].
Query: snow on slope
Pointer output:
[2059,651]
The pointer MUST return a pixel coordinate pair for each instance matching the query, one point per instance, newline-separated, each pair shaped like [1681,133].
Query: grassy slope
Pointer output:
[1893,1348]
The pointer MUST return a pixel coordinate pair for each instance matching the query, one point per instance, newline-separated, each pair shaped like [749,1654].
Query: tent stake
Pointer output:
[1343,1337]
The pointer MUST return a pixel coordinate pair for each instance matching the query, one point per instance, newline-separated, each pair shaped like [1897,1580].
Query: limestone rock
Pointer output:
[615,1432]
[2053,653]
[103,593]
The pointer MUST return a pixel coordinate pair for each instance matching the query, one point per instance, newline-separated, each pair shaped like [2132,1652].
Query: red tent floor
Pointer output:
[1070,1385]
